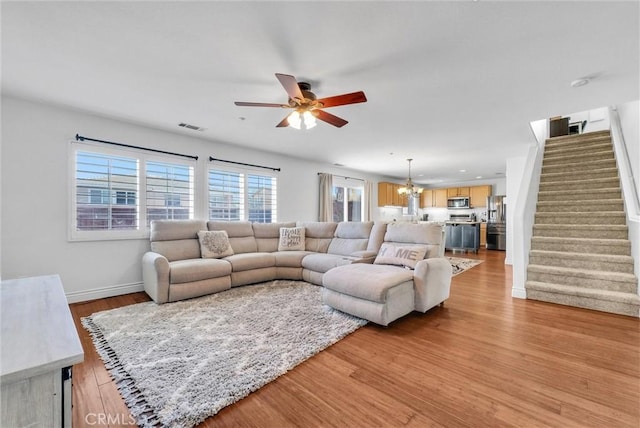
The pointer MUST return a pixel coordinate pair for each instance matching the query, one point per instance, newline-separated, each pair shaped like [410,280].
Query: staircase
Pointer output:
[580,252]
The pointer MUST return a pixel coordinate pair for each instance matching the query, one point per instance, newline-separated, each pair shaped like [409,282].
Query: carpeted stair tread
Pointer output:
[572,149]
[596,279]
[584,175]
[578,138]
[582,167]
[584,207]
[569,218]
[615,231]
[602,300]
[585,245]
[578,158]
[578,195]
[589,184]
[575,260]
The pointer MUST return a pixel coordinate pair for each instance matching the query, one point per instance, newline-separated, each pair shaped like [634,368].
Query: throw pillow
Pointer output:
[214,244]
[407,255]
[291,239]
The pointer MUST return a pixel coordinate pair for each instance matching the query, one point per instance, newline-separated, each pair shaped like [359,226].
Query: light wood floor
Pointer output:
[483,359]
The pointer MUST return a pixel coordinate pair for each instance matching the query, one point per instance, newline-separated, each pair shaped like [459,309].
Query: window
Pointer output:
[235,196]
[169,191]
[117,193]
[348,200]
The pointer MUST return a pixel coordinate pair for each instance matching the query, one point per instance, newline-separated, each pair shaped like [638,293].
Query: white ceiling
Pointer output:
[453,85]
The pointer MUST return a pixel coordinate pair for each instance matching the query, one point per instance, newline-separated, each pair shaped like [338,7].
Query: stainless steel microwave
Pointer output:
[458,202]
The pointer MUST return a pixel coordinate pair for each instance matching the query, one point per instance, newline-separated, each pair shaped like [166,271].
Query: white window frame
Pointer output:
[244,208]
[347,183]
[142,232]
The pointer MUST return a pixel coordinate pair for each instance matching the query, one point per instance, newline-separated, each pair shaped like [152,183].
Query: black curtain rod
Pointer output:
[342,176]
[81,138]
[211,159]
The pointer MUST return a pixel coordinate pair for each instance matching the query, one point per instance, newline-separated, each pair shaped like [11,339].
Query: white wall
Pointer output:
[35,206]
[629,114]
[515,169]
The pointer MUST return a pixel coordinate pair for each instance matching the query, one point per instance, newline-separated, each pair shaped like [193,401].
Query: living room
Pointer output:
[407,112]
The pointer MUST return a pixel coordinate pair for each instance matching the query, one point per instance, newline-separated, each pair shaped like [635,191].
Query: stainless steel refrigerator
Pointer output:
[496,223]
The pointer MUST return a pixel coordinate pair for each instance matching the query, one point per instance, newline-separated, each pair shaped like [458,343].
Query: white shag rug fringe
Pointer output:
[178,363]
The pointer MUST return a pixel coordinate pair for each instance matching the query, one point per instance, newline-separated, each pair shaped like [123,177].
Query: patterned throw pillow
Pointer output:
[214,244]
[407,255]
[291,239]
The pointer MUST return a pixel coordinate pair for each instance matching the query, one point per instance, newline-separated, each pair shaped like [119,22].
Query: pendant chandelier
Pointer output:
[409,188]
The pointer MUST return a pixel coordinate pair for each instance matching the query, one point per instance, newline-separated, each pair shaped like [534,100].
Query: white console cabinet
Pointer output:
[38,345]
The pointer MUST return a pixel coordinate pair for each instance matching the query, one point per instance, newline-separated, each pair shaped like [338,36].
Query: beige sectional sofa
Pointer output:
[174,269]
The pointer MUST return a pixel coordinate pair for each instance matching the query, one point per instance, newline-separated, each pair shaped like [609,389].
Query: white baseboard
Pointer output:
[518,293]
[101,293]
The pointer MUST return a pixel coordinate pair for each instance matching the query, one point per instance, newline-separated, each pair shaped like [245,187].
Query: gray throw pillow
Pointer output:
[214,244]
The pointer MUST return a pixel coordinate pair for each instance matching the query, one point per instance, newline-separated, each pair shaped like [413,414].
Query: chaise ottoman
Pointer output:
[378,293]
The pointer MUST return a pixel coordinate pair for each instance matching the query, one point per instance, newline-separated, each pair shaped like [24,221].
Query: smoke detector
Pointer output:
[579,82]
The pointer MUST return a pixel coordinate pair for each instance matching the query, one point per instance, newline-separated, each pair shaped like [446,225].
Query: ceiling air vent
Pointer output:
[192,127]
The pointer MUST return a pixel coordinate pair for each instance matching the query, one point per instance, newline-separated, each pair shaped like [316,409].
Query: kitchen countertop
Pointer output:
[463,222]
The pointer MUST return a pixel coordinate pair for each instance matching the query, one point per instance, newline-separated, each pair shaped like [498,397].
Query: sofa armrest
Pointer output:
[432,282]
[364,256]
[155,276]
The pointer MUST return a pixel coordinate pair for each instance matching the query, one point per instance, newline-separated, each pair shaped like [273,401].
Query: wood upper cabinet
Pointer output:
[388,195]
[440,198]
[452,192]
[478,195]
[426,198]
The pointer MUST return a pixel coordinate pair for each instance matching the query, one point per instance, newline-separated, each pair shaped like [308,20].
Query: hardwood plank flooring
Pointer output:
[483,359]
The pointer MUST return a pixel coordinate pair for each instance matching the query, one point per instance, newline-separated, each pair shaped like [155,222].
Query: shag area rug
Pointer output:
[178,363]
[460,265]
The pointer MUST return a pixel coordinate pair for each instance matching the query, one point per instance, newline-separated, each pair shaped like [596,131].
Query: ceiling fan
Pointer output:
[306,107]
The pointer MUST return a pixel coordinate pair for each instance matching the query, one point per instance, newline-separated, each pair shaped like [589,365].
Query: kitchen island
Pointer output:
[462,235]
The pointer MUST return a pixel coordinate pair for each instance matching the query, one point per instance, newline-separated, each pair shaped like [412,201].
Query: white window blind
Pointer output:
[169,191]
[236,196]
[106,192]
[116,193]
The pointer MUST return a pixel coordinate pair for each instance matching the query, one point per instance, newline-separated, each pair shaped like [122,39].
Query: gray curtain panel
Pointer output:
[326,201]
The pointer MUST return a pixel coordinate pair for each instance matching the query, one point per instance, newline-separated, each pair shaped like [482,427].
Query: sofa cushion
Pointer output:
[353,229]
[180,249]
[368,282]
[248,261]
[240,235]
[400,254]
[214,244]
[291,239]
[182,271]
[290,258]
[172,230]
[411,233]
[318,235]
[267,235]
[321,262]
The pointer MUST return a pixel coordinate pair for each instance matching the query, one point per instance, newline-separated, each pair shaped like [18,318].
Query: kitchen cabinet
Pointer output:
[440,198]
[483,235]
[452,192]
[388,195]
[426,198]
[478,196]
[462,236]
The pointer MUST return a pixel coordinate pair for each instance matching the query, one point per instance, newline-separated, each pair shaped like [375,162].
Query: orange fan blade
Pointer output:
[241,103]
[291,86]
[284,123]
[329,118]
[340,100]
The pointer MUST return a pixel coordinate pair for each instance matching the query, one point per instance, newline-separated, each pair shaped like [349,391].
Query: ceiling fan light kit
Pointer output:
[307,108]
